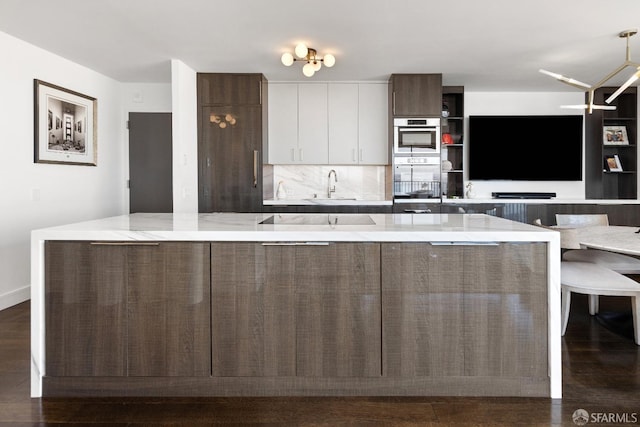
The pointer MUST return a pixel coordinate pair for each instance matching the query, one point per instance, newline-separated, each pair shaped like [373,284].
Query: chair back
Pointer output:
[581,220]
[568,236]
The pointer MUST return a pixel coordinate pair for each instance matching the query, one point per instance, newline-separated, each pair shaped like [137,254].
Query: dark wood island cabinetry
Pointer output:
[339,304]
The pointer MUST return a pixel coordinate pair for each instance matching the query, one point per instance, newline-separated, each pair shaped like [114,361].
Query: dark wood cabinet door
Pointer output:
[416,95]
[230,159]
[505,310]
[422,310]
[168,296]
[465,310]
[118,309]
[338,330]
[230,89]
[85,309]
[296,310]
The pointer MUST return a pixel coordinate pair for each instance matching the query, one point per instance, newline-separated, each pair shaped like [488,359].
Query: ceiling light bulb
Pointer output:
[308,69]
[228,117]
[301,50]
[624,87]
[223,125]
[317,65]
[329,60]
[287,59]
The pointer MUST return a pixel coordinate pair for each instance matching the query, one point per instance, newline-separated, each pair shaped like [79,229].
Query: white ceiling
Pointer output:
[485,45]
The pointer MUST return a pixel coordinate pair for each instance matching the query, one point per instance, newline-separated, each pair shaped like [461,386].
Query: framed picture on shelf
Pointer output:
[613,163]
[52,143]
[615,135]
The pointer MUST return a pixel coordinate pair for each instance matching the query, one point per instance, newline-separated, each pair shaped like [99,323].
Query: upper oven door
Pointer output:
[416,139]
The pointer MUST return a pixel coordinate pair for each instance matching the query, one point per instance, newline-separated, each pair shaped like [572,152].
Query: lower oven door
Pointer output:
[416,182]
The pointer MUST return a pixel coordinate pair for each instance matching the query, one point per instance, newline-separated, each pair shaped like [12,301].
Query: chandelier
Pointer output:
[590,106]
[310,56]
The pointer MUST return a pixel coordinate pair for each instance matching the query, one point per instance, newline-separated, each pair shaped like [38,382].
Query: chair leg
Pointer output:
[566,306]
[594,304]
[635,310]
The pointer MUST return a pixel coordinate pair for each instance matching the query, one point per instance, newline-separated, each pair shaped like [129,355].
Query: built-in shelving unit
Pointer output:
[600,181]
[453,102]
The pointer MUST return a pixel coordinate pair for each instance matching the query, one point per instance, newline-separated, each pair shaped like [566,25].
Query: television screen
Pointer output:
[525,148]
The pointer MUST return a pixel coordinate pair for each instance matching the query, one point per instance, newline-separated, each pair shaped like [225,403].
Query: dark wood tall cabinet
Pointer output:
[232,132]
[600,181]
[415,95]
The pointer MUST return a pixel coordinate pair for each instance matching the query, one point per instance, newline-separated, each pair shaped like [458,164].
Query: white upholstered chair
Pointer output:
[620,263]
[592,279]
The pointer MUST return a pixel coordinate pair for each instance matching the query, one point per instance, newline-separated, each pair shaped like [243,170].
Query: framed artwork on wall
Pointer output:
[615,135]
[55,144]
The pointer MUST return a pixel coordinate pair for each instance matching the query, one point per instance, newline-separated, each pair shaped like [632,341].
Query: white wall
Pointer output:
[524,103]
[141,98]
[185,138]
[40,195]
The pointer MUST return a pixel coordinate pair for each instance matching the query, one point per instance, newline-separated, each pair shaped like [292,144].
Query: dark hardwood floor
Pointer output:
[601,375]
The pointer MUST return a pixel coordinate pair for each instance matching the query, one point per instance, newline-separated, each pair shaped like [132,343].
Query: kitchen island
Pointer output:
[296,304]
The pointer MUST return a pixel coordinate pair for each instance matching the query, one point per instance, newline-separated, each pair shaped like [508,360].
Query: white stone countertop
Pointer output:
[298,227]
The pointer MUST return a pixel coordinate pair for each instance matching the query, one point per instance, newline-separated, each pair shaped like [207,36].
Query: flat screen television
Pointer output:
[525,148]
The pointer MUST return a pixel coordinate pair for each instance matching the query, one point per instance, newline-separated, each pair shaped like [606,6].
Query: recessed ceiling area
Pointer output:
[485,45]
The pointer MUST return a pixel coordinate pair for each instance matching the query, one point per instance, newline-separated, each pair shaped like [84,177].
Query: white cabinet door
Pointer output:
[373,124]
[313,146]
[283,124]
[343,124]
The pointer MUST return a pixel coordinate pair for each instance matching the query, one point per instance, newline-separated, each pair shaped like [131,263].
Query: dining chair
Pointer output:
[594,279]
[623,264]
[591,279]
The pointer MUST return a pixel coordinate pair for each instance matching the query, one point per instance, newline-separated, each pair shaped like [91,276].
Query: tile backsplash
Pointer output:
[309,181]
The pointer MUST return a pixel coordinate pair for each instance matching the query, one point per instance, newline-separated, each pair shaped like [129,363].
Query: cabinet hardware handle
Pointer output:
[301,155]
[295,244]
[464,243]
[393,98]
[255,168]
[125,243]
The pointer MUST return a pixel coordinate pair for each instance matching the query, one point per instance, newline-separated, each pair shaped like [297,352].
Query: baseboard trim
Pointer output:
[15,297]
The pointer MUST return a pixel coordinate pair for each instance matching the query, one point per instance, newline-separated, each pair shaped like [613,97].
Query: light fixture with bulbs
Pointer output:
[590,106]
[310,56]
[222,120]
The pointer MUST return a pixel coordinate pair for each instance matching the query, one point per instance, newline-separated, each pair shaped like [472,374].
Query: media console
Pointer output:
[522,195]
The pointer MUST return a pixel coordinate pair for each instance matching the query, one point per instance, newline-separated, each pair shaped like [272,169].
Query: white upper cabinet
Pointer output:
[283,124]
[343,124]
[328,123]
[373,123]
[312,123]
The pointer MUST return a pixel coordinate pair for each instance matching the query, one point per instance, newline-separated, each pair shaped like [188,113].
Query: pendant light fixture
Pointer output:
[310,56]
[590,106]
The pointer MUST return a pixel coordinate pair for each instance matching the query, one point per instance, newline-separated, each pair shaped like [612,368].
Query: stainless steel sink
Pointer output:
[319,219]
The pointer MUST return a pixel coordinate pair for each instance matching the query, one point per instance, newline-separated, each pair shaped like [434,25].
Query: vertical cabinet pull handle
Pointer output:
[255,168]
[301,155]
[393,106]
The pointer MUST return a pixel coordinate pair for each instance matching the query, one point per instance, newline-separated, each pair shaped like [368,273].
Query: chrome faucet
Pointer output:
[332,189]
